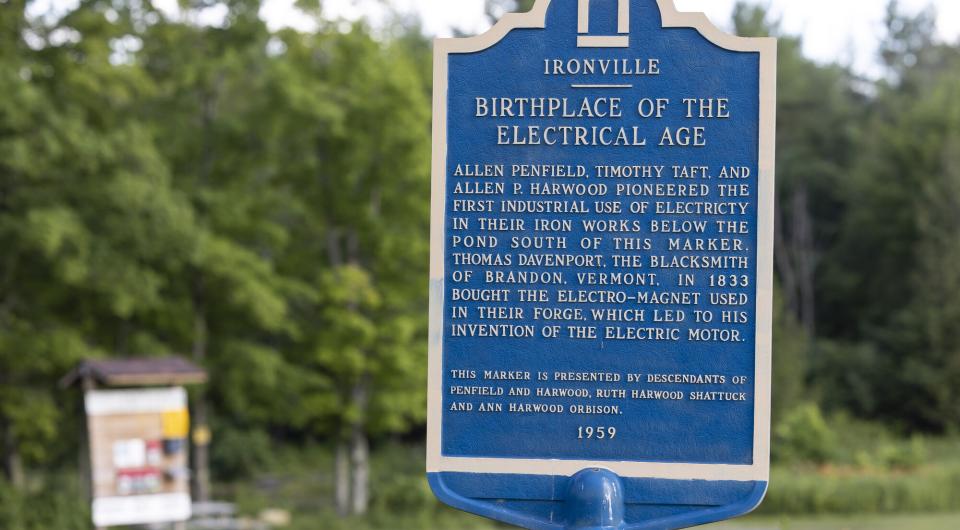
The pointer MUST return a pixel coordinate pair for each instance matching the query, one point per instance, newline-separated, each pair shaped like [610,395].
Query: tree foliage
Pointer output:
[259,200]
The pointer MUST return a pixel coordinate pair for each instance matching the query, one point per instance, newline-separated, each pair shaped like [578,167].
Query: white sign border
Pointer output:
[141,509]
[759,470]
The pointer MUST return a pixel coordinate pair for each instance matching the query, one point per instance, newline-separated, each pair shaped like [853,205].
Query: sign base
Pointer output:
[596,499]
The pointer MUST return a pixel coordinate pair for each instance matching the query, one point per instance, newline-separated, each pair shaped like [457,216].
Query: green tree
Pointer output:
[890,272]
[89,221]
[360,220]
[818,112]
[229,304]
[923,341]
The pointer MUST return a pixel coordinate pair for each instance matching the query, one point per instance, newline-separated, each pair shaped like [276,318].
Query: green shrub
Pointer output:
[794,492]
[52,503]
[239,454]
[403,493]
[903,456]
[804,436]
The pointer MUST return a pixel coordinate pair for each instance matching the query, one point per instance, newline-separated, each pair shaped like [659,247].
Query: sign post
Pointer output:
[601,268]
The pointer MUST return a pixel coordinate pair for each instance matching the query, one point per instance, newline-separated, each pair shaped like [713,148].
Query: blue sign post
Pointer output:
[601,272]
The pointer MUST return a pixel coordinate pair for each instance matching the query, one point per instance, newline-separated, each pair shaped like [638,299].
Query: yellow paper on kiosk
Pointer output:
[176,424]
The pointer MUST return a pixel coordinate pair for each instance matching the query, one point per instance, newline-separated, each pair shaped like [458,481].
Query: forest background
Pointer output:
[258,201]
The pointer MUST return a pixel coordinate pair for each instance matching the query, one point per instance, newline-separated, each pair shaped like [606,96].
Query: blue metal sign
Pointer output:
[601,268]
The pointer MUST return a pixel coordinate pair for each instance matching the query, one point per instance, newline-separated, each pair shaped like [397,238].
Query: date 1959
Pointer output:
[596,433]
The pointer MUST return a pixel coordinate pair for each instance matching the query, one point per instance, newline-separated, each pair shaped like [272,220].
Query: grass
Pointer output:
[300,481]
[867,479]
[870,522]
[931,488]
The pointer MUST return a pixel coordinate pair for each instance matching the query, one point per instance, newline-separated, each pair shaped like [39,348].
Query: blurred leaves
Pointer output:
[272,186]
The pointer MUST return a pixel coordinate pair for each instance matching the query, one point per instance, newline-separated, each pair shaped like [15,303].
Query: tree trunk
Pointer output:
[342,478]
[806,262]
[12,464]
[360,451]
[784,262]
[201,451]
[360,458]
[796,259]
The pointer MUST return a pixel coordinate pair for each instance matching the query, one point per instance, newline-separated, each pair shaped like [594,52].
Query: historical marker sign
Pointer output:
[602,268]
